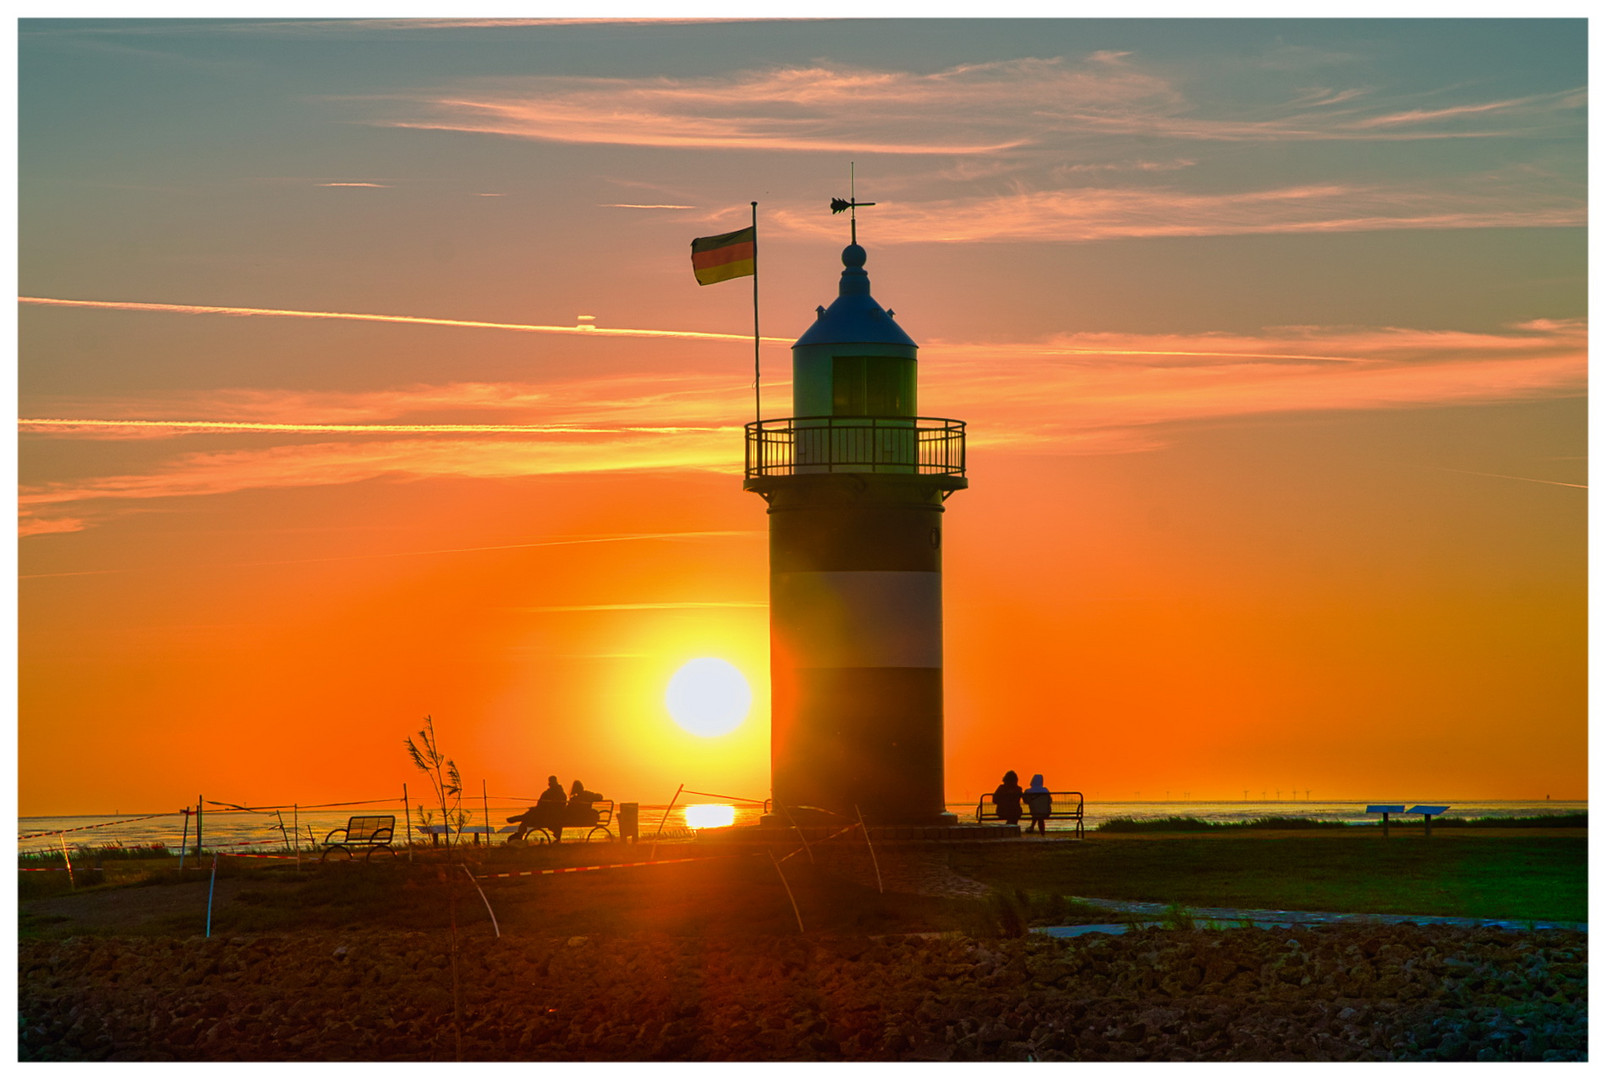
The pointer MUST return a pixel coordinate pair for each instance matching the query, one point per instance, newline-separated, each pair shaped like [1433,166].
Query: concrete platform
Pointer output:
[879,834]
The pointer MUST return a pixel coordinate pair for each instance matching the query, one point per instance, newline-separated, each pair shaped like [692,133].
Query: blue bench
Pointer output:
[1428,813]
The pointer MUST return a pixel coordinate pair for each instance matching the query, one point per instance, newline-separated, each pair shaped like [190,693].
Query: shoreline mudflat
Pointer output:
[1310,994]
[917,954]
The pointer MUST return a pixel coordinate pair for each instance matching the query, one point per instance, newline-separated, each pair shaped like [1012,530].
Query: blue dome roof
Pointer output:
[854,318]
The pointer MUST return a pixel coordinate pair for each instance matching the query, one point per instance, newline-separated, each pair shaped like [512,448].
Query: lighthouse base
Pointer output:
[811,821]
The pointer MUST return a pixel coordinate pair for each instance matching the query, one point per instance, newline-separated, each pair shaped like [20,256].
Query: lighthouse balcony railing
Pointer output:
[806,445]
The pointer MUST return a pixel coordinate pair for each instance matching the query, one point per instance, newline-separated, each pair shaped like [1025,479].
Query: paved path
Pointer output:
[1151,914]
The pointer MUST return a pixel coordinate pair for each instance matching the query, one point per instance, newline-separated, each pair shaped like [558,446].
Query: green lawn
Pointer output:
[1506,877]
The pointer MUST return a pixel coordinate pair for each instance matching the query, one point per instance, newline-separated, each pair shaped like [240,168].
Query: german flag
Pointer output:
[728,255]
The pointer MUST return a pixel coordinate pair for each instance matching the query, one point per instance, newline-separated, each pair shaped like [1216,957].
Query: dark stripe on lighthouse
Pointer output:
[856,647]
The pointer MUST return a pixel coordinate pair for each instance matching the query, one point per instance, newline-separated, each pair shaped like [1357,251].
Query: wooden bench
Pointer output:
[548,834]
[1067,806]
[367,833]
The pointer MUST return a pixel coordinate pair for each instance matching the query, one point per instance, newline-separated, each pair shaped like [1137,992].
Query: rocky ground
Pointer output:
[1321,993]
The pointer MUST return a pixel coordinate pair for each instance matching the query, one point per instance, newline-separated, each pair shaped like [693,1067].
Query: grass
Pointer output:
[719,897]
[1507,878]
[88,853]
[1492,875]
[1579,820]
[1192,824]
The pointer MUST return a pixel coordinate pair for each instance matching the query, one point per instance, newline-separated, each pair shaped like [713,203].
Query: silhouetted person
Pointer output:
[547,813]
[580,811]
[1007,799]
[1039,803]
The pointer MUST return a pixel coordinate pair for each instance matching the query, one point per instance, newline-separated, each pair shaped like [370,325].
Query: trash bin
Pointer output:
[627,820]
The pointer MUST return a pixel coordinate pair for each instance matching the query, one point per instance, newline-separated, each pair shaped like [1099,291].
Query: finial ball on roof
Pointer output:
[853,256]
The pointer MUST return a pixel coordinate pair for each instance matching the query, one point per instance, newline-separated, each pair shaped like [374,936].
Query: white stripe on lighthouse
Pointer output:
[859,618]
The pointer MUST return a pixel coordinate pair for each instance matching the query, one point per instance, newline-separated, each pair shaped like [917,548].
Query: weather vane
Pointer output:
[850,203]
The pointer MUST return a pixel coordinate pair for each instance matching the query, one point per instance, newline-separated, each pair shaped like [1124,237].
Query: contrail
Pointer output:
[416,320]
[695,534]
[510,547]
[669,606]
[604,331]
[1503,476]
[363,429]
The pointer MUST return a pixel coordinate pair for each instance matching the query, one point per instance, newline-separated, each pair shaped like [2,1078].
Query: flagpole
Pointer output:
[758,411]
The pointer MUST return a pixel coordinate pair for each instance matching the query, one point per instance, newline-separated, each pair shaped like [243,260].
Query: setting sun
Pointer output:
[708,696]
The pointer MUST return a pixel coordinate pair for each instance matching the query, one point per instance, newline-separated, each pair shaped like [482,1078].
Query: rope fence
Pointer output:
[228,821]
[97,825]
[727,798]
[299,806]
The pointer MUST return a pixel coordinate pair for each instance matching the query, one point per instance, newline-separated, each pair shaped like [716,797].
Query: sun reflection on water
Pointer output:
[710,816]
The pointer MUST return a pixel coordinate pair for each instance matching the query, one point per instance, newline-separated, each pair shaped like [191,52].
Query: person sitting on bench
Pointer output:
[1040,804]
[580,811]
[547,813]
[1007,798]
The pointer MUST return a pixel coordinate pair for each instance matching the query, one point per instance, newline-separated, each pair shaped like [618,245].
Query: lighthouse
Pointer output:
[855,481]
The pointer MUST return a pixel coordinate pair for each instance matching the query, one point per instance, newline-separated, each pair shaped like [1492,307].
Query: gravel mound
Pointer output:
[1312,994]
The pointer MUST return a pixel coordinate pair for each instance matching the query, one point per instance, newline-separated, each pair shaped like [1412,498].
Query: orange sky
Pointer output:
[1277,450]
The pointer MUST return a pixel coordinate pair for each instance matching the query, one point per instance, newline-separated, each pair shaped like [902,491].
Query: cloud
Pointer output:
[1171,165]
[1102,392]
[968,109]
[1070,394]
[637,403]
[1497,200]
[1539,104]
[1018,136]
[202,474]
[221,426]
[323,28]
[33,526]
[1315,96]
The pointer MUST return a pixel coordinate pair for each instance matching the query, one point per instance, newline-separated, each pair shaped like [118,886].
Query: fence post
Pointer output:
[211,892]
[184,841]
[660,832]
[295,820]
[198,803]
[668,808]
[407,812]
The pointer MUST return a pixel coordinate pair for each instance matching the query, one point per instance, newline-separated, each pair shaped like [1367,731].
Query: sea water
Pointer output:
[276,832]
